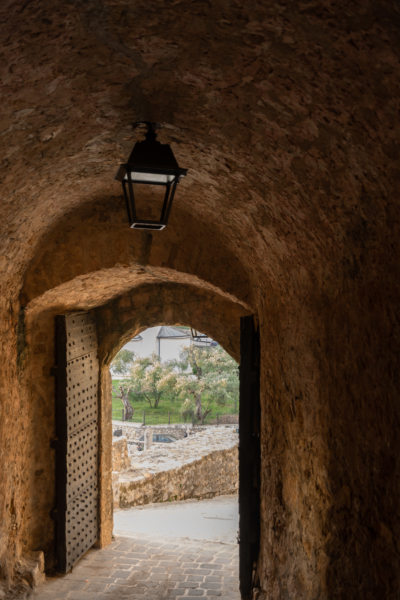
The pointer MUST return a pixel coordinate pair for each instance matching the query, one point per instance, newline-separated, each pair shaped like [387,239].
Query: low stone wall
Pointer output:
[201,465]
[120,456]
[211,475]
[133,431]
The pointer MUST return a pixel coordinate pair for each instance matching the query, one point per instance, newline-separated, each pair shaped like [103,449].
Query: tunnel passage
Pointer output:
[296,434]
[286,116]
[117,320]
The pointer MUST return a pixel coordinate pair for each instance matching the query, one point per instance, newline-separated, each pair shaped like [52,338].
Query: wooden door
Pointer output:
[77,374]
[249,455]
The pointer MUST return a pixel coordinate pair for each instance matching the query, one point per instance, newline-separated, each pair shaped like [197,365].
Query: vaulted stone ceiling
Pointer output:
[285,116]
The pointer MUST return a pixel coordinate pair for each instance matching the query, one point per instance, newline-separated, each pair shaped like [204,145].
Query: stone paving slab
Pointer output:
[148,569]
[214,520]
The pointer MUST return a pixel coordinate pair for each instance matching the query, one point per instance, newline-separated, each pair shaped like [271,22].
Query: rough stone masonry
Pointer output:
[202,465]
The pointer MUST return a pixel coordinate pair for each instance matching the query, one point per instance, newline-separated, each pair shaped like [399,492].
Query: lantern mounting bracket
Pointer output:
[151,133]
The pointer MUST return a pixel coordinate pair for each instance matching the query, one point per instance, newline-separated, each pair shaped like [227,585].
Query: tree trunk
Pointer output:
[200,414]
[128,409]
[157,398]
[198,411]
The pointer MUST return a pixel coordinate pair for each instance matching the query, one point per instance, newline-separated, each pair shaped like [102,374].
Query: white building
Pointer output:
[165,341]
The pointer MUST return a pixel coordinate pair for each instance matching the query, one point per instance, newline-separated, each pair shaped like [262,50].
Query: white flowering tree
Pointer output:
[152,379]
[205,374]
[203,377]
[122,362]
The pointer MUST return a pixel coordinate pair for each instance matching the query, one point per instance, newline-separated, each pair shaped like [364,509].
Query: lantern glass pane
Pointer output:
[149,200]
[162,178]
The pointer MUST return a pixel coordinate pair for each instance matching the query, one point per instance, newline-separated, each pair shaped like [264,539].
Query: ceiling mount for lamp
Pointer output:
[150,164]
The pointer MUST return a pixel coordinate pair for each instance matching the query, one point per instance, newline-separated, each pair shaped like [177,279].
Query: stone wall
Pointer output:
[211,475]
[201,465]
[120,457]
[134,431]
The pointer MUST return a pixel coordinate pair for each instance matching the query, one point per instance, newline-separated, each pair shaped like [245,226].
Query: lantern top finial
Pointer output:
[151,133]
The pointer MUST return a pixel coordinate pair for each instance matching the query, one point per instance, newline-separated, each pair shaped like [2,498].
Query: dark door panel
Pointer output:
[77,375]
[249,455]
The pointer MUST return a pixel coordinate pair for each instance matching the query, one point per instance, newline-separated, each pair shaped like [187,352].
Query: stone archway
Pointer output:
[144,305]
[147,306]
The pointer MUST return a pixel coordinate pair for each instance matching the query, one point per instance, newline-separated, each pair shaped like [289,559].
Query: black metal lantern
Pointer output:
[150,164]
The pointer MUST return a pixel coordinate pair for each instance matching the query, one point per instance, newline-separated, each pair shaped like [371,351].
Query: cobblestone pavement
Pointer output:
[150,569]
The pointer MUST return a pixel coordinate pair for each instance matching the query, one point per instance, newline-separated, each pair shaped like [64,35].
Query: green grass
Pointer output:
[169,410]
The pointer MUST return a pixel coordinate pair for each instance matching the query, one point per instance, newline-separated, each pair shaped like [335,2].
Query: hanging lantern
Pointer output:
[151,168]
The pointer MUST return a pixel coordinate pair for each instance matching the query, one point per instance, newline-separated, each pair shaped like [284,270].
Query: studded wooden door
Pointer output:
[77,374]
[249,455]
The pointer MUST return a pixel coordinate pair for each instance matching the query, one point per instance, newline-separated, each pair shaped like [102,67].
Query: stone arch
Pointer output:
[149,305]
[95,237]
[171,304]
[145,304]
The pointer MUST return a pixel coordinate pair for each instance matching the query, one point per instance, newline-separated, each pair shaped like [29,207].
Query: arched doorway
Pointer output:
[208,310]
[78,451]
